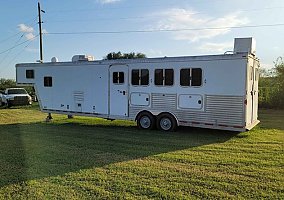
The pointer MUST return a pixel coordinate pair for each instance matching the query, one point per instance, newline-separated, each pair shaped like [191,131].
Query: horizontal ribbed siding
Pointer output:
[224,110]
[163,101]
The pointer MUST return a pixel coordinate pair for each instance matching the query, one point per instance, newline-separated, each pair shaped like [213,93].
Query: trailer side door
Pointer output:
[118,91]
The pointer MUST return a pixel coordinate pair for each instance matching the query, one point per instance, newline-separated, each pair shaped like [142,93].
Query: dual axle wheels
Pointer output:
[164,121]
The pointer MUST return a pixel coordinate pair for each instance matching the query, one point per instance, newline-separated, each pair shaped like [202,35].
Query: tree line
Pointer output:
[271,86]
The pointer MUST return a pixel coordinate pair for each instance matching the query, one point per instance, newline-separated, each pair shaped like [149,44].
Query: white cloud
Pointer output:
[30,36]
[216,47]
[25,29]
[189,19]
[108,1]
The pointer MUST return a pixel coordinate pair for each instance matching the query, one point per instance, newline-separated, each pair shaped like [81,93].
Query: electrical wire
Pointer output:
[12,36]
[13,47]
[19,53]
[8,52]
[162,30]
[153,16]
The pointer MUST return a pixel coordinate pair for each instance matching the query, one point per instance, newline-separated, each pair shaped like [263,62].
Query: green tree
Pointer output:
[11,83]
[7,83]
[119,55]
[279,76]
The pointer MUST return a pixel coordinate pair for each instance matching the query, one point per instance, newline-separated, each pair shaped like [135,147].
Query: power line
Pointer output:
[12,36]
[20,52]
[162,30]
[19,44]
[11,49]
[119,8]
[154,16]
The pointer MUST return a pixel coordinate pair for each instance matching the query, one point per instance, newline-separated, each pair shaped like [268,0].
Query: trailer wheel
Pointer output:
[146,120]
[166,122]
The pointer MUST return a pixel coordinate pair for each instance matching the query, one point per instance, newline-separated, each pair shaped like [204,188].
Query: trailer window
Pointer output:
[185,77]
[169,76]
[118,77]
[196,77]
[135,77]
[191,77]
[140,77]
[159,77]
[47,81]
[164,77]
[30,74]
[144,77]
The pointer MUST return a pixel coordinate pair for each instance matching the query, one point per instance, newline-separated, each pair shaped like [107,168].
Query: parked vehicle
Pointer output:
[16,97]
[1,99]
[212,91]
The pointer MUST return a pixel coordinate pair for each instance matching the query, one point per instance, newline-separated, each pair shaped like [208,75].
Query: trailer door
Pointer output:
[255,91]
[252,99]
[118,91]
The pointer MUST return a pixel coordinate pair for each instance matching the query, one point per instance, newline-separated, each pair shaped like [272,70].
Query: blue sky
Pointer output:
[112,23]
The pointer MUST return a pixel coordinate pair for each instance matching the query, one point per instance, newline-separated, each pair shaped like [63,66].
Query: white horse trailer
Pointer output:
[212,91]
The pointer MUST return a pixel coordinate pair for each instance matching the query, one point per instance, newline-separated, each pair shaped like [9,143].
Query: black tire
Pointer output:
[146,121]
[8,104]
[166,122]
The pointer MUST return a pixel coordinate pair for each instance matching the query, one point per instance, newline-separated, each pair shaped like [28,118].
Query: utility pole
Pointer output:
[40,32]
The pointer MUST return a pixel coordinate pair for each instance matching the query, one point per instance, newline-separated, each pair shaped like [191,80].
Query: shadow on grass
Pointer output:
[38,150]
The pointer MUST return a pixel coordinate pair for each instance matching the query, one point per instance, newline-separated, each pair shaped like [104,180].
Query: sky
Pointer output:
[156,28]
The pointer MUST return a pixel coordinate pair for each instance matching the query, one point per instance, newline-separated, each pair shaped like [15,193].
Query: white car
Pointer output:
[1,99]
[16,97]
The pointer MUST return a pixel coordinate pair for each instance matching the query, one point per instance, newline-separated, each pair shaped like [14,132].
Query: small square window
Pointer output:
[30,74]
[47,81]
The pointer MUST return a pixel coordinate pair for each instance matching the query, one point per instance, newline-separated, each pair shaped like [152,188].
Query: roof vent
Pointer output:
[54,59]
[244,45]
[78,58]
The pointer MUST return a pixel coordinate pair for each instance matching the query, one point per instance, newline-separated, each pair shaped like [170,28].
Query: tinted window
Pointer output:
[30,74]
[158,77]
[144,77]
[47,81]
[185,77]
[196,77]
[121,77]
[17,91]
[115,77]
[135,77]
[118,77]
[169,76]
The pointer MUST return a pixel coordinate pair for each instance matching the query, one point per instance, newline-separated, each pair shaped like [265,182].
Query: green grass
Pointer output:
[87,158]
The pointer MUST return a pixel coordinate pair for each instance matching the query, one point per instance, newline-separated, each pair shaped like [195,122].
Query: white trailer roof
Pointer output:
[146,60]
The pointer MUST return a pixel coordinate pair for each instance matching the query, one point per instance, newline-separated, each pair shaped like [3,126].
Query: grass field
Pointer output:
[87,158]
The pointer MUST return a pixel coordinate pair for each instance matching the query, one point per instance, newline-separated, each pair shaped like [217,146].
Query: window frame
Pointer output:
[49,82]
[140,77]
[33,74]
[190,80]
[118,76]
[164,77]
